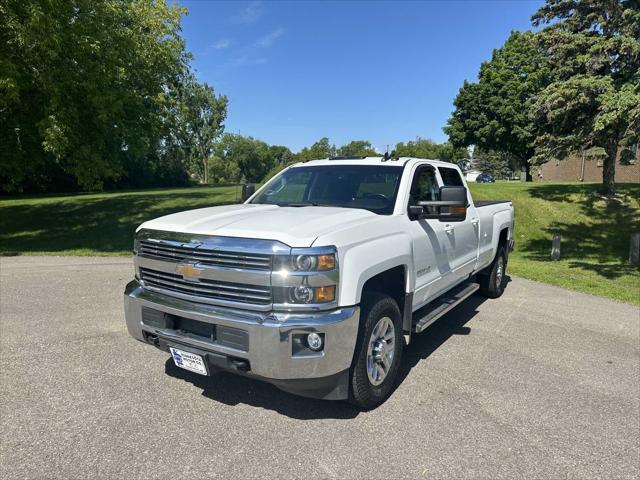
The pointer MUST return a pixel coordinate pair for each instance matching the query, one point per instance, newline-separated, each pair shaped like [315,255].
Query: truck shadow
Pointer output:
[232,389]
[425,343]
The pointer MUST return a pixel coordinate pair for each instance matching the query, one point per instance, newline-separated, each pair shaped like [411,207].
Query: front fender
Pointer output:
[363,261]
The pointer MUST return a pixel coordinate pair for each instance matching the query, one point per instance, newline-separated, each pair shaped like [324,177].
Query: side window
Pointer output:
[425,186]
[450,177]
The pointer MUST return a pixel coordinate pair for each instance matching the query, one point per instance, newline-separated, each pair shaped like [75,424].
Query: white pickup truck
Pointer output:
[318,280]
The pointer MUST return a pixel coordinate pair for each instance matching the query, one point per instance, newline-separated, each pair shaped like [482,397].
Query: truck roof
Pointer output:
[391,162]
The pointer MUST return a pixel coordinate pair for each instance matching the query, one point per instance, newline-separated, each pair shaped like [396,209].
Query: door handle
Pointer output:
[448,229]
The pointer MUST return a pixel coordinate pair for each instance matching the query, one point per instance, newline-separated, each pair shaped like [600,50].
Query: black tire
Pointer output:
[363,393]
[491,281]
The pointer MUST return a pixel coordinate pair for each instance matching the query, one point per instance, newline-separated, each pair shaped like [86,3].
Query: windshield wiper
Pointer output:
[308,204]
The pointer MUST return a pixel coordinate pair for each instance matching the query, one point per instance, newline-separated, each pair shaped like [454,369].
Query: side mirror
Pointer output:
[415,212]
[452,206]
[248,189]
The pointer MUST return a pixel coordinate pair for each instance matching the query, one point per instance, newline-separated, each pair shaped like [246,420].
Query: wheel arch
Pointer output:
[393,282]
[503,241]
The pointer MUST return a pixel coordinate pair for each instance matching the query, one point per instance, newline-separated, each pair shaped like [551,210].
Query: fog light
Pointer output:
[314,341]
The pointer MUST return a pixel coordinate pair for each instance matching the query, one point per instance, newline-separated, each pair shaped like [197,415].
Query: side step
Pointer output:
[434,310]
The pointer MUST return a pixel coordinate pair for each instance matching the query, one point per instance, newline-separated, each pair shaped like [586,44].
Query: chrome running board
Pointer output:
[431,312]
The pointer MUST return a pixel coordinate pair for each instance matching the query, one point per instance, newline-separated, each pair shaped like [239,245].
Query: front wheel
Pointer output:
[378,351]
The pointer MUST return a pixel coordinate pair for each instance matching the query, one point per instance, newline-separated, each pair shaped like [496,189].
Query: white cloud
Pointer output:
[251,13]
[270,38]
[245,60]
[220,44]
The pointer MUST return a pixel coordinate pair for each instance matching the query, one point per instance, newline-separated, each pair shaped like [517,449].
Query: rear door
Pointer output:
[461,237]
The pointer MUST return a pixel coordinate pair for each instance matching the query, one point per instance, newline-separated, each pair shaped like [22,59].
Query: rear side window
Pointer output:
[450,177]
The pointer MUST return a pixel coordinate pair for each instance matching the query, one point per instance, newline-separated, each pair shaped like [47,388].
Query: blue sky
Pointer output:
[379,71]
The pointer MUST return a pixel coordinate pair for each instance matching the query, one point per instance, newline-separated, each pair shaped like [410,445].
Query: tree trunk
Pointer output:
[527,172]
[206,171]
[609,171]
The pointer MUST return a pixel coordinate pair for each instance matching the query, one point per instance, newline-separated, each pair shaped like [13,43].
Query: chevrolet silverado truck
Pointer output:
[318,281]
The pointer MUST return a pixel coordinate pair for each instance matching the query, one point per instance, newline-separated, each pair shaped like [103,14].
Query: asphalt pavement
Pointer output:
[541,383]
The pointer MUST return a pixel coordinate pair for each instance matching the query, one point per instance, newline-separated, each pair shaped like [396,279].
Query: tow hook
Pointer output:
[239,364]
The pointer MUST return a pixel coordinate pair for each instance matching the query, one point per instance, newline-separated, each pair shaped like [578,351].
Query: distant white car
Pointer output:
[317,281]
[471,175]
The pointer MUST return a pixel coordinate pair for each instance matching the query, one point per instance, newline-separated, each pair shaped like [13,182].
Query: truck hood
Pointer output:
[295,226]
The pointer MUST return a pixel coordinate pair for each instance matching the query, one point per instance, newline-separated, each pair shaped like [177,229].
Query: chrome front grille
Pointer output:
[204,256]
[206,288]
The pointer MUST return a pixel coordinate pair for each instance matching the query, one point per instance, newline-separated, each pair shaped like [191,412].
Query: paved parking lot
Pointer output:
[542,383]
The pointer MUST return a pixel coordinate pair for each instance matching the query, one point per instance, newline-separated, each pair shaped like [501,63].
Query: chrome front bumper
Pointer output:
[270,334]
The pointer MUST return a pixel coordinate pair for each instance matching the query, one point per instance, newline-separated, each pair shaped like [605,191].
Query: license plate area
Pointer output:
[189,361]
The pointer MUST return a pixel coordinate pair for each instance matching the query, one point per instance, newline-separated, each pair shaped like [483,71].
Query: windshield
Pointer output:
[368,187]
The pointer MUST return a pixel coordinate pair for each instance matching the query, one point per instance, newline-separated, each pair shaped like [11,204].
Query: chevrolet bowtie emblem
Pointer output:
[188,271]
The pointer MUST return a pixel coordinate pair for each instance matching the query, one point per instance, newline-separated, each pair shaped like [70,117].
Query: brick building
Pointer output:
[575,169]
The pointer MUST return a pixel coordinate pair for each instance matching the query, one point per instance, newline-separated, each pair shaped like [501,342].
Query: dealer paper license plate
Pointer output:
[188,361]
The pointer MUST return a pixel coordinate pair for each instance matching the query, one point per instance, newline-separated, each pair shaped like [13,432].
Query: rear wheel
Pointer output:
[492,281]
[378,351]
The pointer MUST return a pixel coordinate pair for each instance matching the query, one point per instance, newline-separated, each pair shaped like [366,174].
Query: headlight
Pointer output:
[306,278]
[306,263]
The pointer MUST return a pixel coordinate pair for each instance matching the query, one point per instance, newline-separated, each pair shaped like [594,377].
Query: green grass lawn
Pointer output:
[94,224]
[595,233]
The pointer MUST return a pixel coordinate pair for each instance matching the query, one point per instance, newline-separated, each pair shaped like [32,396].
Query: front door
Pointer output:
[462,236]
[430,244]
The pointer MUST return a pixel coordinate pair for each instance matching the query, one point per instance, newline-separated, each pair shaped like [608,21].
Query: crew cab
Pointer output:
[318,280]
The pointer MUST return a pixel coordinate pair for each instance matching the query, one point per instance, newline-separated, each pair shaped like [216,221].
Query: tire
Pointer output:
[492,281]
[370,383]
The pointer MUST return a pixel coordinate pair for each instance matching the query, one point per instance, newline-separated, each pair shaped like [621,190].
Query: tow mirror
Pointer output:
[452,206]
[415,212]
[248,189]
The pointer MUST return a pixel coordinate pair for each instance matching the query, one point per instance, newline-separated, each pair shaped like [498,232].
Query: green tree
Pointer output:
[420,148]
[281,155]
[593,106]
[447,152]
[426,148]
[199,114]
[321,149]
[251,156]
[357,148]
[496,164]
[493,113]
[83,87]
[223,171]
